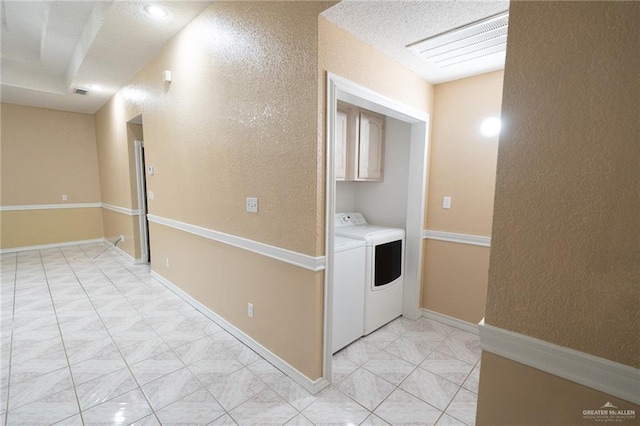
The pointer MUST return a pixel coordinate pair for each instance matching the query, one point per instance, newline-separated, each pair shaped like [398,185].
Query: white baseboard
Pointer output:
[123,253]
[446,319]
[597,373]
[50,246]
[312,386]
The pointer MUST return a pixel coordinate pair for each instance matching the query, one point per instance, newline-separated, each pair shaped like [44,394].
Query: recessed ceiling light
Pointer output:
[156,11]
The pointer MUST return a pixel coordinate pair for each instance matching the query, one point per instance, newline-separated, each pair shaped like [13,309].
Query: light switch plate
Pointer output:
[150,170]
[252,205]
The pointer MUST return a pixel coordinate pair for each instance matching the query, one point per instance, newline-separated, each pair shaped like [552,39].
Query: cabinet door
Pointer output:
[370,147]
[341,147]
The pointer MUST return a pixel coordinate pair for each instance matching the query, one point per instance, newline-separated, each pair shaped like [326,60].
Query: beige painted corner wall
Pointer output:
[239,119]
[116,154]
[288,300]
[113,156]
[513,394]
[26,228]
[462,166]
[46,154]
[463,161]
[565,257]
[455,279]
[116,224]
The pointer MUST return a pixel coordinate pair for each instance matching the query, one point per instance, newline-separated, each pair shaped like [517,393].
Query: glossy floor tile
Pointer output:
[88,338]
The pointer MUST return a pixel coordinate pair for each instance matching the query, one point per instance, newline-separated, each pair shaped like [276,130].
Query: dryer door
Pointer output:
[388,264]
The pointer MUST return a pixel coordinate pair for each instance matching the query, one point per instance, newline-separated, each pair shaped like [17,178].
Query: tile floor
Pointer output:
[88,338]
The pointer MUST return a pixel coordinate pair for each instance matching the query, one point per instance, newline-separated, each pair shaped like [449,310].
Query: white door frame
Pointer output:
[142,202]
[339,88]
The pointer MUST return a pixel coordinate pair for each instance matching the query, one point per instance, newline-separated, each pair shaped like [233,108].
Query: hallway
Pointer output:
[89,338]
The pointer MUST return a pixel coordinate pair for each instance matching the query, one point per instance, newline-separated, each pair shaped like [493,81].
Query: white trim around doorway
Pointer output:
[339,88]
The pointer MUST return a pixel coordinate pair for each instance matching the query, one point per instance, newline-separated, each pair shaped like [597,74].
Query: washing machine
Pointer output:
[348,291]
[384,267]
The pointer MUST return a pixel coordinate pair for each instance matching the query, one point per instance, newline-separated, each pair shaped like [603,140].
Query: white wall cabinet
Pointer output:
[359,144]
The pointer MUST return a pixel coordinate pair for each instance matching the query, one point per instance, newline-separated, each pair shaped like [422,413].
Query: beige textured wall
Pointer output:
[343,54]
[513,394]
[113,155]
[116,155]
[462,166]
[288,300]
[565,258]
[116,224]
[45,154]
[463,162]
[238,120]
[37,227]
[455,279]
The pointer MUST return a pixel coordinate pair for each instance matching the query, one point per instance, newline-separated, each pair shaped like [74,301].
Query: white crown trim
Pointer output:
[597,373]
[453,237]
[312,386]
[51,206]
[294,258]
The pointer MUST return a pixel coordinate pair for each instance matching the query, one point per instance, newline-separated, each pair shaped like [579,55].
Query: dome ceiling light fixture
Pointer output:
[155,11]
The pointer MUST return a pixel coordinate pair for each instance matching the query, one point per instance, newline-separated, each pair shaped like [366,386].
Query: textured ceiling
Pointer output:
[390,26]
[50,48]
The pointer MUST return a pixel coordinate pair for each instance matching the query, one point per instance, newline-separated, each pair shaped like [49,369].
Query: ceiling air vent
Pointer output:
[79,91]
[470,42]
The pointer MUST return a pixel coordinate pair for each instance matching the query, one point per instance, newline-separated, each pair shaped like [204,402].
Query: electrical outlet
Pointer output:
[250,310]
[122,238]
[446,202]
[150,196]
[252,205]
[64,197]
[167,262]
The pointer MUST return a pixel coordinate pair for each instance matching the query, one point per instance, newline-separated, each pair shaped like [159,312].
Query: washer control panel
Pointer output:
[349,219]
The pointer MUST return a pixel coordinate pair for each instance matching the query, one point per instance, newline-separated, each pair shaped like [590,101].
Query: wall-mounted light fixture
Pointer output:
[490,127]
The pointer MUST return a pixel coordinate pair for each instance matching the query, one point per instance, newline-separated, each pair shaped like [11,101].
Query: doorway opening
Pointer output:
[416,122]
[139,193]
